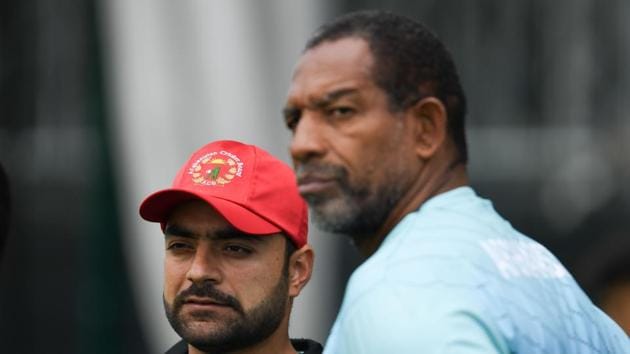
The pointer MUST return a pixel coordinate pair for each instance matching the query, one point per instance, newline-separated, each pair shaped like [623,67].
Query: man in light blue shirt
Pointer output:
[377,115]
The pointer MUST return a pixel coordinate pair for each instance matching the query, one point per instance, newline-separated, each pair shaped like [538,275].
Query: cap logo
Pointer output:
[216,168]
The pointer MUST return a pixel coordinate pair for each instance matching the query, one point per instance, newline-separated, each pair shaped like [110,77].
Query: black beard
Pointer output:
[358,212]
[248,329]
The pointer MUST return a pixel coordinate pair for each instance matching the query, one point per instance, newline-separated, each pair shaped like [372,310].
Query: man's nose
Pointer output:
[308,139]
[204,267]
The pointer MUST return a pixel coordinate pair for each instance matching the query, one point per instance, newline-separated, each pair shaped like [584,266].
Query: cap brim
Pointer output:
[158,206]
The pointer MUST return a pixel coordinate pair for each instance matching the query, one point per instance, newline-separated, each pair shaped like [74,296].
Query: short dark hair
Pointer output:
[410,63]
[5,202]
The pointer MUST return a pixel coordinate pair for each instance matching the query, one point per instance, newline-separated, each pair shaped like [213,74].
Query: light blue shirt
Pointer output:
[455,277]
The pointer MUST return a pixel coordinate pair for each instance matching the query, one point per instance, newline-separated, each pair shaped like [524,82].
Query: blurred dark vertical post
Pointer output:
[5,209]
[107,322]
[63,282]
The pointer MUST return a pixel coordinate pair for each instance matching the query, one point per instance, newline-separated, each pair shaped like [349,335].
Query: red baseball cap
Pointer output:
[254,191]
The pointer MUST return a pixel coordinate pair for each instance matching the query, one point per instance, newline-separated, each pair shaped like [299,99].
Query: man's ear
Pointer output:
[300,269]
[430,121]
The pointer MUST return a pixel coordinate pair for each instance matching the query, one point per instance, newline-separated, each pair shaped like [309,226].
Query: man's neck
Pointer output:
[437,176]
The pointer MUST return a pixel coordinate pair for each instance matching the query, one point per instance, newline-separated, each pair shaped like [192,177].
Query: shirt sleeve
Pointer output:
[390,320]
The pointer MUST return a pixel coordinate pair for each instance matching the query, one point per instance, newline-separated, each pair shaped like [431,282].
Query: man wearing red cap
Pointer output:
[236,246]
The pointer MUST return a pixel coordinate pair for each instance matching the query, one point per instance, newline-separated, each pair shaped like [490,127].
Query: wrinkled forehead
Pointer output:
[330,65]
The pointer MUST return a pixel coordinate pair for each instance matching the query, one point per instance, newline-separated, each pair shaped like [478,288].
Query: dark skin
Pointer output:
[340,117]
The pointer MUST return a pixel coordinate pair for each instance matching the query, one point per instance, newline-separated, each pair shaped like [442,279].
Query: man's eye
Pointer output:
[236,249]
[178,246]
[292,118]
[341,112]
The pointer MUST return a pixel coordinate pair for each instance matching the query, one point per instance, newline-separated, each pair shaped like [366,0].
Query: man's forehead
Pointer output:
[339,50]
[350,55]
[198,219]
[328,69]
[216,232]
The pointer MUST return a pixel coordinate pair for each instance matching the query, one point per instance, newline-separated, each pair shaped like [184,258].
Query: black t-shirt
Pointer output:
[302,346]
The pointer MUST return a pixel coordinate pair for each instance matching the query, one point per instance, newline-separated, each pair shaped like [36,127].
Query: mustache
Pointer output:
[207,290]
[308,170]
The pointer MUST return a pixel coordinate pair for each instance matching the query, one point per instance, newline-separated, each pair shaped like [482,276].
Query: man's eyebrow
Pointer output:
[232,233]
[329,97]
[176,230]
[226,233]
[319,103]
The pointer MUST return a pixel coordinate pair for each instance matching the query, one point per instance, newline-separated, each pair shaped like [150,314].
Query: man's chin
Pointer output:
[332,215]
[326,205]
[200,331]
[201,322]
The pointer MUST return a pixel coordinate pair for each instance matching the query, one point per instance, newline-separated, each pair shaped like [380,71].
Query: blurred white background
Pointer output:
[186,73]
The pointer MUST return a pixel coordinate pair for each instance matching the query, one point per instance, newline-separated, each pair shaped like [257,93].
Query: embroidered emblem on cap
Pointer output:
[216,168]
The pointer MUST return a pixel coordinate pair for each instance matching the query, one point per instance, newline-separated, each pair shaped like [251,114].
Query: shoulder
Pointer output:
[430,282]
[424,251]
[431,293]
[397,318]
